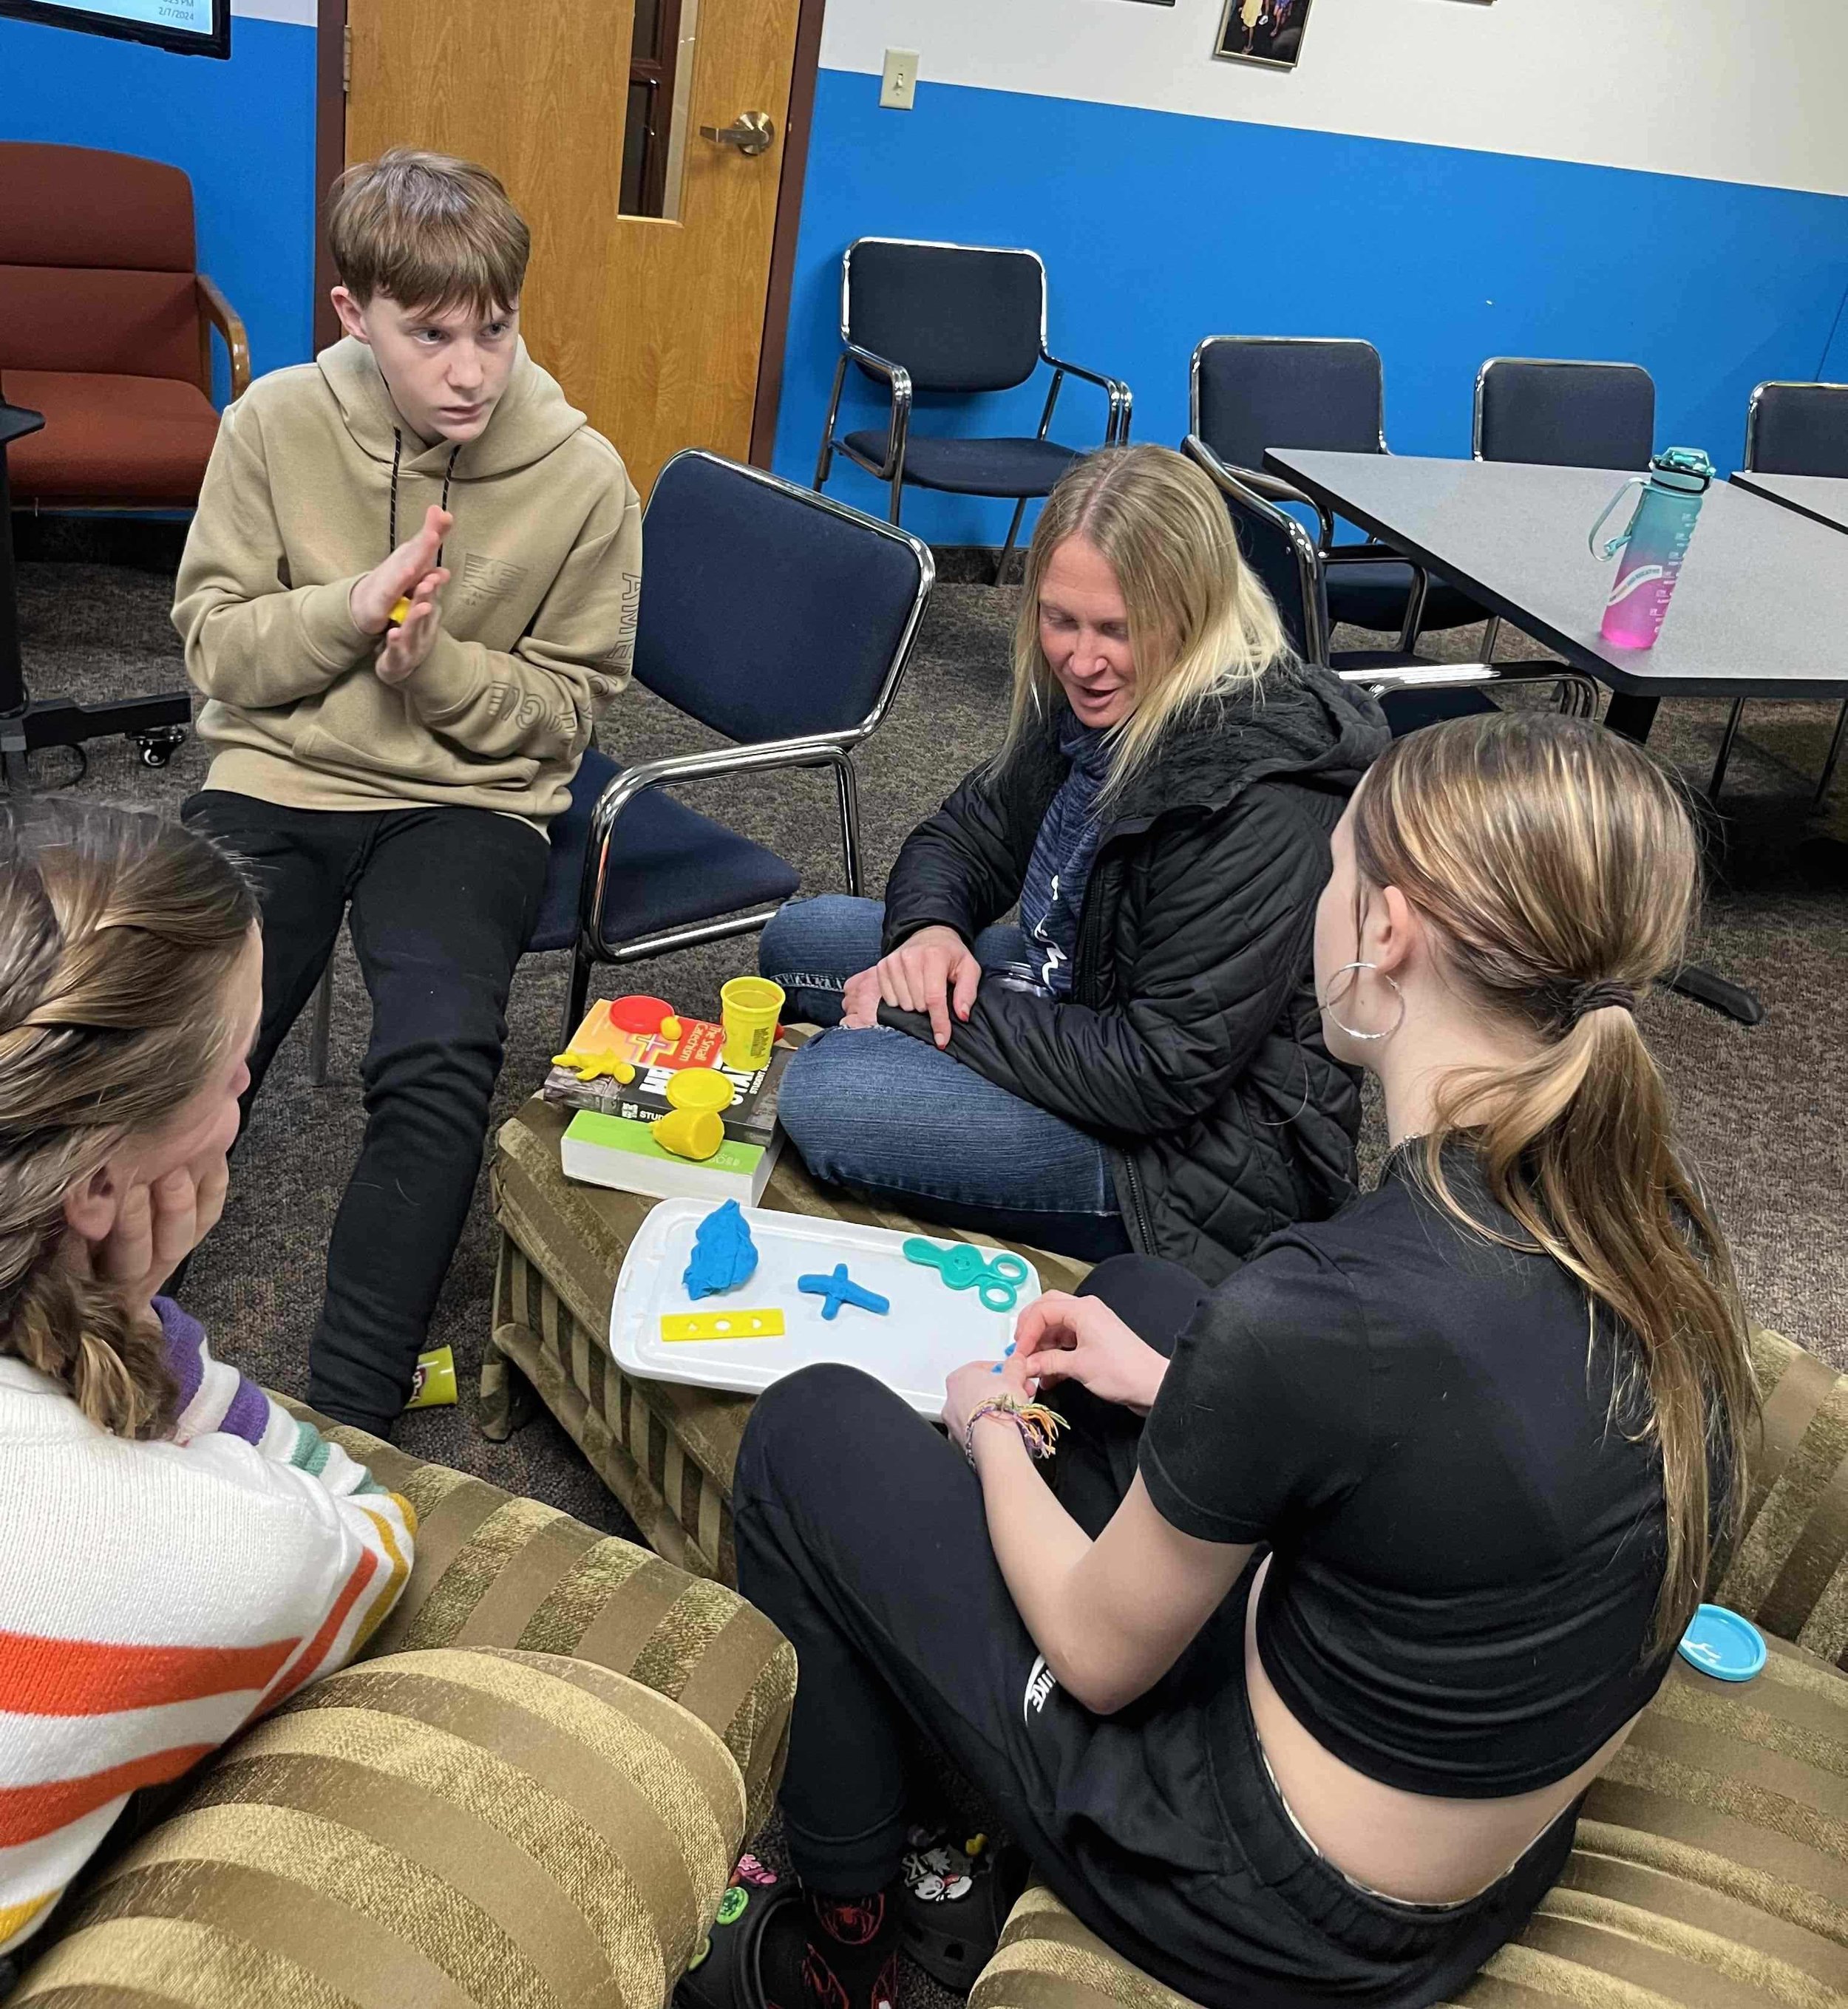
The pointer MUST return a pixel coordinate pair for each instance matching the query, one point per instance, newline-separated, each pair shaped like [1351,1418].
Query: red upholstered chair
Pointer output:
[105,327]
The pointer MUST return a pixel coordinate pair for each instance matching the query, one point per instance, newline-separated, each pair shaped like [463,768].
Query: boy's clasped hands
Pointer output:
[411,573]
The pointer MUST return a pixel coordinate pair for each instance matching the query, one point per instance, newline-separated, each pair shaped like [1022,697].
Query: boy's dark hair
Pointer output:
[429,230]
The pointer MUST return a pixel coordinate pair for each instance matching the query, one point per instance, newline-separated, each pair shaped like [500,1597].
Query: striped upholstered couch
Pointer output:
[530,1792]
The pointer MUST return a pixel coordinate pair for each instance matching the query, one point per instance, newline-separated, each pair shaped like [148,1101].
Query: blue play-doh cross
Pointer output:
[839,1288]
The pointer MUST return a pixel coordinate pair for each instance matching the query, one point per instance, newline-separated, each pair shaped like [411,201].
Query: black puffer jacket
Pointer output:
[1191,1044]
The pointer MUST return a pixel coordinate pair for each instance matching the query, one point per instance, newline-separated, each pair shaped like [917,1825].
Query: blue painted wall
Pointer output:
[1159,228]
[243,130]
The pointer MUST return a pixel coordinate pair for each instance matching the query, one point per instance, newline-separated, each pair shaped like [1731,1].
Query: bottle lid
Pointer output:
[1720,1643]
[1685,467]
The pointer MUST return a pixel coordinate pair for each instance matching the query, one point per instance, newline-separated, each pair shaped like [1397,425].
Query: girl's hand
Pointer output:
[1059,1338]
[931,971]
[978,1382]
[157,1227]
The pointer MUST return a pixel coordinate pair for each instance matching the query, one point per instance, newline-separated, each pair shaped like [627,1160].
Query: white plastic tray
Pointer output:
[930,1330]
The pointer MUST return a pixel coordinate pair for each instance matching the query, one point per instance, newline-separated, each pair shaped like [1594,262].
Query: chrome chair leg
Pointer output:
[847,784]
[1725,748]
[320,1027]
[1007,550]
[1491,634]
[826,460]
[1835,754]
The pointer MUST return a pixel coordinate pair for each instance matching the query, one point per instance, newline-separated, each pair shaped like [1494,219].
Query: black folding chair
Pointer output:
[1247,392]
[1414,690]
[1552,414]
[1793,429]
[958,319]
[779,618]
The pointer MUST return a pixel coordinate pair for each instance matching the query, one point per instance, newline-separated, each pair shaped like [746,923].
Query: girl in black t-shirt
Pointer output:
[1355,1571]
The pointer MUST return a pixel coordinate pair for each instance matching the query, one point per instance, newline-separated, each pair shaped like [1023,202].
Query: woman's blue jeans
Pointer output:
[898,1120]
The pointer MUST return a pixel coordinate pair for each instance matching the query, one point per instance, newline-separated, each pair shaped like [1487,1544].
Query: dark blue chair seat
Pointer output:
[1408,710]
[670,866]
[1007,467]
[1373,595]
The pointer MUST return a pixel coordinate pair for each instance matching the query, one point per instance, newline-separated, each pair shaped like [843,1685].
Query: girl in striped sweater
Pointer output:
[177,1552]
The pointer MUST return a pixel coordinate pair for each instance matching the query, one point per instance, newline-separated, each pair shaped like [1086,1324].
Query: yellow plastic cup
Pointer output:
[433,1385]
[701,1088]
[749,1008]
[690,1133]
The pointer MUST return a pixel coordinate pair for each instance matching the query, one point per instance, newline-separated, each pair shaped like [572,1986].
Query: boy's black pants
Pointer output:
[440,903]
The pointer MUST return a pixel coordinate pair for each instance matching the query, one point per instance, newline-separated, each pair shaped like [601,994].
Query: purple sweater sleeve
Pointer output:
[230,1403]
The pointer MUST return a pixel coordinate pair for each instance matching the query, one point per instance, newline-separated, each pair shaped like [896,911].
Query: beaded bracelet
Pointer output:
[1037,1425]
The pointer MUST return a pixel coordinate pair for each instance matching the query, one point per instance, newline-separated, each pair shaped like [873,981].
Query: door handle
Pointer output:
[750,132]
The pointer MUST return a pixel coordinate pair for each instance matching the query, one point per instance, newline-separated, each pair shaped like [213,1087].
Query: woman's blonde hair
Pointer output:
[1202,626]
[1560,867]
[118,935]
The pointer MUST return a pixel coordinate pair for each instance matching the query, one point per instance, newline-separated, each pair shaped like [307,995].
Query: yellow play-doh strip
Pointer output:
[682,1326]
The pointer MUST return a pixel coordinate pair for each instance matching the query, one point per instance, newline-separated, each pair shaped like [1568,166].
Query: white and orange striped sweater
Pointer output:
[156,1596]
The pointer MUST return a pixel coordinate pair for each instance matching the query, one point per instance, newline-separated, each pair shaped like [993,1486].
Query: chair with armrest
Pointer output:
[1413,690]
[957,319]
[157,723]
[1793,429]
[1553,414]
[106,325]
[783,620]
[1247,392]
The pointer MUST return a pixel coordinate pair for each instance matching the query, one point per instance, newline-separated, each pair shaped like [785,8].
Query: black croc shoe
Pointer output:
[727,1972]
[956,1898]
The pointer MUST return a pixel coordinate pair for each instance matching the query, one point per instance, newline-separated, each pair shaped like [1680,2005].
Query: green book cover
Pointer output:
[621,1133]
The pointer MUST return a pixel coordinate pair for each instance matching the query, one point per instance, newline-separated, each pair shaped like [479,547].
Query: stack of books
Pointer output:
[609,1141]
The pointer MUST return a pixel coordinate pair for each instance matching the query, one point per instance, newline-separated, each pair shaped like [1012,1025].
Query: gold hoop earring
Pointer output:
[1325,1005]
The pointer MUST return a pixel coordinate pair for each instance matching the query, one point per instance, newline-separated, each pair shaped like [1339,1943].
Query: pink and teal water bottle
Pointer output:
[1654,543]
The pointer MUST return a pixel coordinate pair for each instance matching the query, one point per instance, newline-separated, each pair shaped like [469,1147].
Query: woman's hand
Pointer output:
[1059,1338]
[932,972]
[156,1227]
[859,1001]
[980,1382]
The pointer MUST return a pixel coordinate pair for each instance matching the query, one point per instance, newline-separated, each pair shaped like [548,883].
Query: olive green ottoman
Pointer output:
[666,1452]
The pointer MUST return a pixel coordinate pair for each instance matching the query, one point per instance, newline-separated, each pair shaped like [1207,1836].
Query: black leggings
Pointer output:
[861,1533]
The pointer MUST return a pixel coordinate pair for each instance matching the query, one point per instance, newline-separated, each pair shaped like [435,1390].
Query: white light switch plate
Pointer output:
[898,86]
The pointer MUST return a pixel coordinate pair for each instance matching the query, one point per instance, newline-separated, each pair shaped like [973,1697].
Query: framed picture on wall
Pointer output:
[1263,31]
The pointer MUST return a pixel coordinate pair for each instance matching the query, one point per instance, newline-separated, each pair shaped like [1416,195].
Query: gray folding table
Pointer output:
[1824,496]
[1759,594]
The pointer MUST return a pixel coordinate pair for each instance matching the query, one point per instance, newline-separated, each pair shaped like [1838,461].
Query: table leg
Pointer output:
[1632,716]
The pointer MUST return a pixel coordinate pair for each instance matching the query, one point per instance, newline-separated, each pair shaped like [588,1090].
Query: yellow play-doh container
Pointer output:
[748,1008]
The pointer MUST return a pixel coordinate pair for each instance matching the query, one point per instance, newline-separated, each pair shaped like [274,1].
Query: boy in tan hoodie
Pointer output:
[414,572]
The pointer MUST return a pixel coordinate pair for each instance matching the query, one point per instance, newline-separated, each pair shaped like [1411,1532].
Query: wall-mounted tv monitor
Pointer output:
[191,27]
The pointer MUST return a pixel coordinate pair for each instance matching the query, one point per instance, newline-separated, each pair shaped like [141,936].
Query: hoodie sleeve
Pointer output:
[540,699]
[250,640]
[1228,926]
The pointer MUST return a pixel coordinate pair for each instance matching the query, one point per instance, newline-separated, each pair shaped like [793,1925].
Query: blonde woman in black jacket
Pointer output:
[1137,1063]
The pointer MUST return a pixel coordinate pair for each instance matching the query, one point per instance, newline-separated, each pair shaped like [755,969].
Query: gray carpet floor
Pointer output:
[1762,1111]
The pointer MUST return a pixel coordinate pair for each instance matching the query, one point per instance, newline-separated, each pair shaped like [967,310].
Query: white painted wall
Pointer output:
[1737,90]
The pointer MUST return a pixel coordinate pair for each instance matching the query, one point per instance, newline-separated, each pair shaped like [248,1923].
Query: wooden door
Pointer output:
[653,324]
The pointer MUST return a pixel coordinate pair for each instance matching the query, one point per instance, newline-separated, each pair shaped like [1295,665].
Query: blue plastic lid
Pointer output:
[1721,1643]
